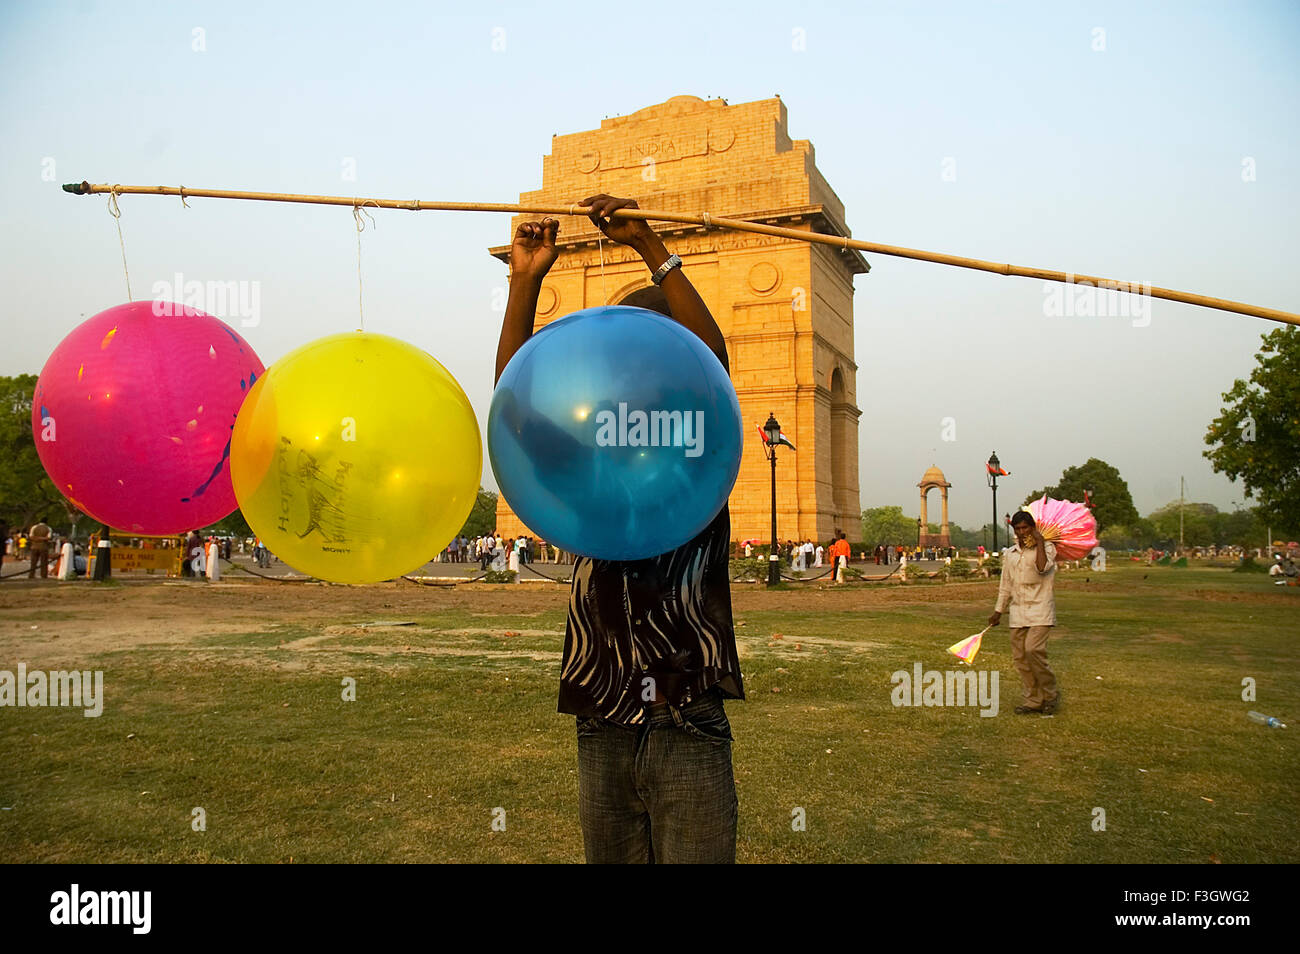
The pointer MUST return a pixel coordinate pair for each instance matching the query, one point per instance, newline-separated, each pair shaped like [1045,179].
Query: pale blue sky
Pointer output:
[1125,162]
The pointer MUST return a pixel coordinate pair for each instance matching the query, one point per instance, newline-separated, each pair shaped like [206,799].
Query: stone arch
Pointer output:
[931,479]
[837,386]
[839,452]
[648,296]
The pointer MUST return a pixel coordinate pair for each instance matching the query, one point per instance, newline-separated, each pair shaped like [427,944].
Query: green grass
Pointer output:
[454,718]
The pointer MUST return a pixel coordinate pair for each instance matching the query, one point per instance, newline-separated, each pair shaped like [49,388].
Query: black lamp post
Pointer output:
[773,431]
[918,531]
[994,466]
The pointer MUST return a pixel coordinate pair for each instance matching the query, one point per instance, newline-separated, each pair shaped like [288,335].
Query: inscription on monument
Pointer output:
[661,147]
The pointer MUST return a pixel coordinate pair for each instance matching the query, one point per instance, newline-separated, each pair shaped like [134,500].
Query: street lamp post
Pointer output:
[773,431]
[994,465]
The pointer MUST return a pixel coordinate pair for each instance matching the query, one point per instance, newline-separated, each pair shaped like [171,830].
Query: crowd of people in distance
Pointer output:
[809,555]
[795,556]
[888,554]
[194,545]
[498,552]
[40,546]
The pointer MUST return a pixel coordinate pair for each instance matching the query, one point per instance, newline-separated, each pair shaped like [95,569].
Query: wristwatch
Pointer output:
[674,261]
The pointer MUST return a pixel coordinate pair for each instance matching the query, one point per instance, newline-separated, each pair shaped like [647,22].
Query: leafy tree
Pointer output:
[1138,535]
[1198,523]
[1256,437]
[1111,501]
[1205,525]
[26,493]
[483,518]
[959,537]
[888,525]
[232,526]
[902,529]
[1239,528]
[1118,537]
[972,539]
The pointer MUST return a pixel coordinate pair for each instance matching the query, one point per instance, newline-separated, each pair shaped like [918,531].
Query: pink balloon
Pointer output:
[133,414]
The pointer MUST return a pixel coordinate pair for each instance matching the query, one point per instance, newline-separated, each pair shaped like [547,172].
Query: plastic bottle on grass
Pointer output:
[1262,719]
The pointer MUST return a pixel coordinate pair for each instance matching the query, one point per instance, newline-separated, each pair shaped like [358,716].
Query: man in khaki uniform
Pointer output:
[1028,570]
[39,544]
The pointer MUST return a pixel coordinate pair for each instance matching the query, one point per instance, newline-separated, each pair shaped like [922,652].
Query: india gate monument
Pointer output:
[785,307]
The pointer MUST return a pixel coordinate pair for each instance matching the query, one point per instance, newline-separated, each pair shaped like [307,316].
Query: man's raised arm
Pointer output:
[684,301]
[531,257]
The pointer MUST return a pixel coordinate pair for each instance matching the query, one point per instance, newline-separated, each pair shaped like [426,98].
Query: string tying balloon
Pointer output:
[357,211]
[604,294]
[116,213]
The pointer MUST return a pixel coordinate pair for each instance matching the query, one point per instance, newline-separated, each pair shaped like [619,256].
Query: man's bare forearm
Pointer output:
[517,326]
[684,301]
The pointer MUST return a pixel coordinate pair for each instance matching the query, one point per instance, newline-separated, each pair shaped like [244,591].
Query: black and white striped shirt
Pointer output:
[666,619]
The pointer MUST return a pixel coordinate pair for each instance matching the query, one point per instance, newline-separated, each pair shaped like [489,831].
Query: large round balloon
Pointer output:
[615,433]
[133,412]
[356,458]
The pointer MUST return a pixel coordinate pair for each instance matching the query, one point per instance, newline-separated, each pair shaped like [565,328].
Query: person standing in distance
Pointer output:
[840,553]
[38,543]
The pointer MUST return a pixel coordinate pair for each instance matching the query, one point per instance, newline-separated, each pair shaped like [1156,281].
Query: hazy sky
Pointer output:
[1171,155]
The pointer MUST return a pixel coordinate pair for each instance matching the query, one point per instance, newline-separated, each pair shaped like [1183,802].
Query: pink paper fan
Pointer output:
[1070,526]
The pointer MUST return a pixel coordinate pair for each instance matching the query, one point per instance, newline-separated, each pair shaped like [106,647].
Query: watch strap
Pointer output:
[673,261]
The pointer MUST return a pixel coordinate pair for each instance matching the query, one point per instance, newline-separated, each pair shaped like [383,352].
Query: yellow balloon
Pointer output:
[356,458]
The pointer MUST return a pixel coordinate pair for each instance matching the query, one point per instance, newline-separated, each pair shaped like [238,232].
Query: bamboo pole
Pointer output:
[707,221]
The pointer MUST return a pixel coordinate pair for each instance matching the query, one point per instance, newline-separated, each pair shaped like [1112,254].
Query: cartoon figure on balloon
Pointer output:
[311,502]
[362,483]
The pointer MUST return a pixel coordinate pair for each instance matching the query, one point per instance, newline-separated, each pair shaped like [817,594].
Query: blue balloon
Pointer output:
[615,433]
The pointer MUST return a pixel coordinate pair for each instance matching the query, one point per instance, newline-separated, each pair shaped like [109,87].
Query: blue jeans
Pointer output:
[662,791]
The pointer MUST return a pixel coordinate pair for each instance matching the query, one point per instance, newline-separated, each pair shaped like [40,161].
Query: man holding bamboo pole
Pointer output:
[650,646]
